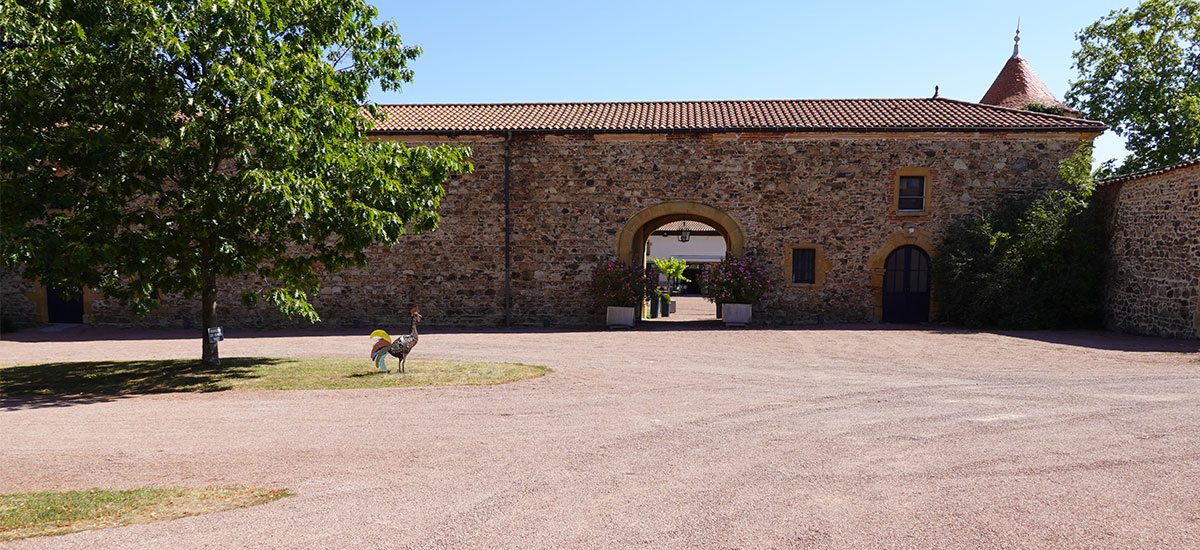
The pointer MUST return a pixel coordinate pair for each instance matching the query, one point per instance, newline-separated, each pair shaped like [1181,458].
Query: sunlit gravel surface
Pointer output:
[666,436]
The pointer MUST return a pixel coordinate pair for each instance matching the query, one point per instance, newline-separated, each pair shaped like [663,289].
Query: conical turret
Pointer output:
[1017,86]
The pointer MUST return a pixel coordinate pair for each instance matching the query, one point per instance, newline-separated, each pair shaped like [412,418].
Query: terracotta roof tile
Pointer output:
[692,225]
[928,114]
[1149,172]
[1017,86]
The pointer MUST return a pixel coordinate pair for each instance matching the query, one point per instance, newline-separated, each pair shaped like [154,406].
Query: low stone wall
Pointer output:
[1153,224]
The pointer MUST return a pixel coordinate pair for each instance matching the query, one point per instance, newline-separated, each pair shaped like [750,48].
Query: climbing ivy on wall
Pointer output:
[1035,262]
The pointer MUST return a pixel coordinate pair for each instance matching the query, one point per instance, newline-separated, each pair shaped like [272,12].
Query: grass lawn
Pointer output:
[246,373]
[58,513]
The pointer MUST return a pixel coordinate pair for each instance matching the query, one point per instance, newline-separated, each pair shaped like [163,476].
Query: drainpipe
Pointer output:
[507,232]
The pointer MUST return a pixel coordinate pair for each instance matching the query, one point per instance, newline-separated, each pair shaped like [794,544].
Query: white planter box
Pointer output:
[735,315]
[620,317]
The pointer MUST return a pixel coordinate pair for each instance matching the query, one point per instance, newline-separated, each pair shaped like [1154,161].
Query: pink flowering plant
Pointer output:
[736,280]
[618,284]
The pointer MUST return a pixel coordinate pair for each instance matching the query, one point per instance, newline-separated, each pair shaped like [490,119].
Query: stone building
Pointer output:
[1153,220]
[845,199]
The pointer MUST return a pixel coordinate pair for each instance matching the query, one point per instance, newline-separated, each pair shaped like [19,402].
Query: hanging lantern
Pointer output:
[685,234]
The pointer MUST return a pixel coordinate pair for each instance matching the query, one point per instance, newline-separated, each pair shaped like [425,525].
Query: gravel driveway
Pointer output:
[675,436]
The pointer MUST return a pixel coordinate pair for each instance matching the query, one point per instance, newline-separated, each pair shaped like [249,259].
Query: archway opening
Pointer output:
[698,244]
[60,309]
[655,231]
[906,286]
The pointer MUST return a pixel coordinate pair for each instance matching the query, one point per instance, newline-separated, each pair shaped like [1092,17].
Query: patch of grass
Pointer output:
[60,512]
[246,373]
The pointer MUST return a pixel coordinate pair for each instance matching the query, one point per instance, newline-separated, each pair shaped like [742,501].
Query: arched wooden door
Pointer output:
[906,286]
[62,310]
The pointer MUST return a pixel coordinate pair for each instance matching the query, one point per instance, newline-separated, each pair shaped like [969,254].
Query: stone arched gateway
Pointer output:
[631,239]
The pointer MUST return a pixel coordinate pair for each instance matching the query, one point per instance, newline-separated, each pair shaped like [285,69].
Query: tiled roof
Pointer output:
[691,225]
[1150,172]
[1018,85]
[926,114]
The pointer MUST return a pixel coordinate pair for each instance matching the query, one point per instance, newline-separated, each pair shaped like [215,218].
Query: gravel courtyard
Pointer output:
[670,435]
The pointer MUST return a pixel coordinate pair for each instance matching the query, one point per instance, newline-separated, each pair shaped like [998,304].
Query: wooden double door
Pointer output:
[906,286]
[63,310]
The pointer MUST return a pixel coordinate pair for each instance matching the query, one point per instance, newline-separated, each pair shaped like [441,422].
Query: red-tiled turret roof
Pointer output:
[1017,86]
[788,115]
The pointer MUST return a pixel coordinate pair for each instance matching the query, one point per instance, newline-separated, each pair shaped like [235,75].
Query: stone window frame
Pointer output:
[927,200]
[820,266]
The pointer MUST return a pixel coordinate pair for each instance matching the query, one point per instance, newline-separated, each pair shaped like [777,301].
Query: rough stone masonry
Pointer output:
[1153,221]
[572,193]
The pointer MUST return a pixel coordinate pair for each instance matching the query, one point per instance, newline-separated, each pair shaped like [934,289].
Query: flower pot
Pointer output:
[719,309]
[666,306]
[653,308]
[620,317]
[735,315]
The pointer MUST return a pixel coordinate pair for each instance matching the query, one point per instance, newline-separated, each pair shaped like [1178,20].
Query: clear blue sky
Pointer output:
[489,52]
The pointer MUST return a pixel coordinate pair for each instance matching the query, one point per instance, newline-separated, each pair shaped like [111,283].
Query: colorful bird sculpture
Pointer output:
[398,348]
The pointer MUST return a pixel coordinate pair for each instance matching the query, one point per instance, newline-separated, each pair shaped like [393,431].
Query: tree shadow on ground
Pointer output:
[1104,340]
[77,383]
[1097,339]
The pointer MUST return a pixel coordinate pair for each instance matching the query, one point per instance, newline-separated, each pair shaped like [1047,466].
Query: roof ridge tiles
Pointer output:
[657,102]
[1149,172]
[1022,111]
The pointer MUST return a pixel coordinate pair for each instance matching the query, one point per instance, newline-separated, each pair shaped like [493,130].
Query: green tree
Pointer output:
[1139,71]
[1033,263]
[168,145]
[672,268]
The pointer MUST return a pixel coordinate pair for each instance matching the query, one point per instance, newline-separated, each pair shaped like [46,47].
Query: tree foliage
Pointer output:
[1048,109]
[1034,263]
[162,145]
[1140,73]
[672,268]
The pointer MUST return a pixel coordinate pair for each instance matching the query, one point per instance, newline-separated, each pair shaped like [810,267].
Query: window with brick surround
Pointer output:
[912,191]
[911,194]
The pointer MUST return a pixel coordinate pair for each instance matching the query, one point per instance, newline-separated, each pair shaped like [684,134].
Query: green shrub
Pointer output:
[618,284]
[737,280]
[1048,109]
[1033,263]
[672,268]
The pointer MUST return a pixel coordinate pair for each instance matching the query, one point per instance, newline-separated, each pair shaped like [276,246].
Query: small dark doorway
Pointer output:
[906,286]
[61,310]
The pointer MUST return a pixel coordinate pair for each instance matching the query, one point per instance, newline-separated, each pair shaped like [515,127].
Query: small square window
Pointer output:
[912,194]
[804,265]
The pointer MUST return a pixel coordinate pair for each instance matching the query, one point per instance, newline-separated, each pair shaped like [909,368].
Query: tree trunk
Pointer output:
[208,317]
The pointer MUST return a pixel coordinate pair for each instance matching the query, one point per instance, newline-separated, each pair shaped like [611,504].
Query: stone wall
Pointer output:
[1154,241]
[19,298]
[572,194]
